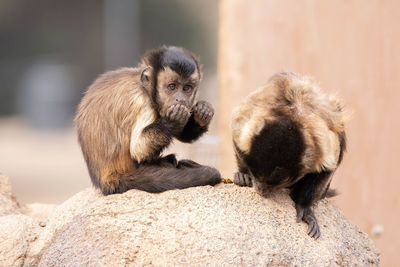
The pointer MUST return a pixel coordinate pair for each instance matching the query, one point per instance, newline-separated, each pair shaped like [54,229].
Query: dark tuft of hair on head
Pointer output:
[179,61]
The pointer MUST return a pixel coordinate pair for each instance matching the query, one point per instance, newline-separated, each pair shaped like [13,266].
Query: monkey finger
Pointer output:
[313,229]
[185,116]
[310,230]
[247,180]
[175,114]
[237,178]
[242,179]
[210,115]
[196,111]
[204,108]
[202,116]
[205,111]
[184,111]
[169,110]
[168,114]
[173,109]
[207,118]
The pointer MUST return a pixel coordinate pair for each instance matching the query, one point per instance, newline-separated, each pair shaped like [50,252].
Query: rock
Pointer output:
[219,226]
[8,203]
[17,232]
[38,210]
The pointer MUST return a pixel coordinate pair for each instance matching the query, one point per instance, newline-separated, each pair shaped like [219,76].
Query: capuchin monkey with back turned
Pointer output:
[289,134]
[129,116]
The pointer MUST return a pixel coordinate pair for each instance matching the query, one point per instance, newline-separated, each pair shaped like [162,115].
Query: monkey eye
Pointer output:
[187,87]
[171,86]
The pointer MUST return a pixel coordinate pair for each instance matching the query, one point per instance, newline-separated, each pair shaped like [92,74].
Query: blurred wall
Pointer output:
[351,47]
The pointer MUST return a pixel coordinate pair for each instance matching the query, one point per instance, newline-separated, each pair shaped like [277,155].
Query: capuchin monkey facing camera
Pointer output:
[129,116]
[289,134]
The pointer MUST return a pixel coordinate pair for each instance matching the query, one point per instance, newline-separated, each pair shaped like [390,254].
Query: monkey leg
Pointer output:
[307,191]
[192,131]
[168,160]
[242,177]
[188,163]
[155,178]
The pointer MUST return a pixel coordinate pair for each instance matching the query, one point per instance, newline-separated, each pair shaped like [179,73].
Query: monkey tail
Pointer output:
[156,178]
[331,193]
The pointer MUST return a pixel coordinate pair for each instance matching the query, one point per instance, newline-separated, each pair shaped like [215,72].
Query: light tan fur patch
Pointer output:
[139,145]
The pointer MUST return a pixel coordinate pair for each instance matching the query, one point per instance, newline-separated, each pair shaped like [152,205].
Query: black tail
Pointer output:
[331,193]
[156,178]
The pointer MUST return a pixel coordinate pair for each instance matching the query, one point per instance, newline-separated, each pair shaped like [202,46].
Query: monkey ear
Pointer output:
[145,76]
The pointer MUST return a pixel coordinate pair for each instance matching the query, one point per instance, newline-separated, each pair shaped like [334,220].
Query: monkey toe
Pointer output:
[242,179]
[169,159]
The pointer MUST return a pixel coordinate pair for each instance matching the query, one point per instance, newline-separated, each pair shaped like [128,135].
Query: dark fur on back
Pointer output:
[268,160]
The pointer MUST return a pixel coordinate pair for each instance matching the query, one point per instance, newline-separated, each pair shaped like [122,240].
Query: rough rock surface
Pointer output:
[17,232]
[39,211]
[20,225]
[224,225]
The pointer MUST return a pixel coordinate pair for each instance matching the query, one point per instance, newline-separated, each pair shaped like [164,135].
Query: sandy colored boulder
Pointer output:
[17,232]
[39,211]
[20,225]
[225,225]
[8,203]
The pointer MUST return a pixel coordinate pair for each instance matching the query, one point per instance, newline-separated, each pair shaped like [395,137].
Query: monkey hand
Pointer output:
[178,115]
[203,113]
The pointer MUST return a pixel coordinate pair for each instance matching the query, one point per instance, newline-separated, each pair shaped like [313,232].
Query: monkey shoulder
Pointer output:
[116,80]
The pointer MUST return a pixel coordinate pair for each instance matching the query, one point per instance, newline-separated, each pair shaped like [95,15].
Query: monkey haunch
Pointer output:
[289,134]
[128,116]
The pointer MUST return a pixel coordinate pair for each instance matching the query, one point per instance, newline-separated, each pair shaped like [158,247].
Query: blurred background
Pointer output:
[52,51]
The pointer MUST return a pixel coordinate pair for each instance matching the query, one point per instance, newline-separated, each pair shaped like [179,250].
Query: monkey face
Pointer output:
[174,89]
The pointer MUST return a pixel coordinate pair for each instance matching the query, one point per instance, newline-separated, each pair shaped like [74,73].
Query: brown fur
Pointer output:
[121,126]
[291,135]
[299,98]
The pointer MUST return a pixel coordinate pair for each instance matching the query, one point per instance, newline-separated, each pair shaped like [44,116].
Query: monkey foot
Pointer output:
[242,179]
[169,159]
[307,215]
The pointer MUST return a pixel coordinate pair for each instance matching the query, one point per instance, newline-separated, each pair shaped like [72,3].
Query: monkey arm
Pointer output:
[149,137]
[198,122]
[192,131]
